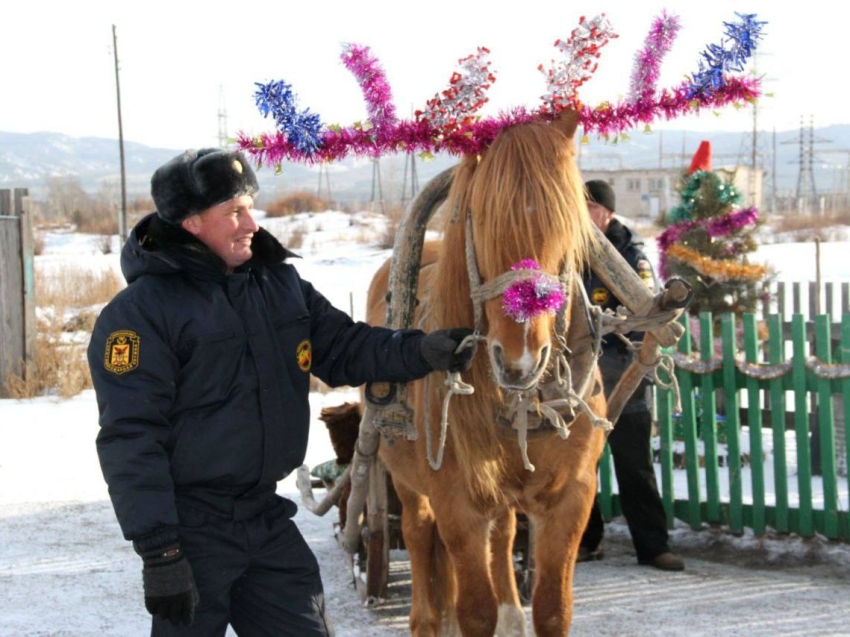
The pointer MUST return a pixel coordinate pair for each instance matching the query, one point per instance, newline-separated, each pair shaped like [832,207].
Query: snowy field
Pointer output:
[65,570]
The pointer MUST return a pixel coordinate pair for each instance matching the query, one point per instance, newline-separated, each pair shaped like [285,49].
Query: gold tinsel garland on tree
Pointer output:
[717,269]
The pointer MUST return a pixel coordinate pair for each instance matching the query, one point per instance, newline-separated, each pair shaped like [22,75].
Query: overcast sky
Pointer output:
[179,58]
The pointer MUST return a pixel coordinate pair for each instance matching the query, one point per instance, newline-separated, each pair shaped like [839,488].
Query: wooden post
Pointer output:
[378,538]
[17,286]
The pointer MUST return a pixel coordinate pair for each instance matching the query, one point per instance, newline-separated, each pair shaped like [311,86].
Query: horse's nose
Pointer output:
[523,372]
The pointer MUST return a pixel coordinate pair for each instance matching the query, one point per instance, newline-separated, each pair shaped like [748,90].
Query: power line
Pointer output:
[222,119]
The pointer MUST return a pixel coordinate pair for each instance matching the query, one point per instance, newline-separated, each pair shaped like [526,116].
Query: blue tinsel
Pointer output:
[729,55]
[301,129]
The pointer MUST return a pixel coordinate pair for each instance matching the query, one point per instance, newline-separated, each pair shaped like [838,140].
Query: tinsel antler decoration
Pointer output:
[730,55]
[581,51]
[449,122]
[455,107]
[647,66]
[376,91]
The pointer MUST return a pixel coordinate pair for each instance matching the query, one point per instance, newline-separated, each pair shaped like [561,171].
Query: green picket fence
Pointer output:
[760,440]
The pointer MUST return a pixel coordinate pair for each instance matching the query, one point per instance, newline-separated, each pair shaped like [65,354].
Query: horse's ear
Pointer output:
[567,122]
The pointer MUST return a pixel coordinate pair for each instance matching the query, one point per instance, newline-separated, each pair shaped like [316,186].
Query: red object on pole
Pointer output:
[702,158]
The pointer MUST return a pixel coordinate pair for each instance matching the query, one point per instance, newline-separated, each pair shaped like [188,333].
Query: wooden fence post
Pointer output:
[17,286]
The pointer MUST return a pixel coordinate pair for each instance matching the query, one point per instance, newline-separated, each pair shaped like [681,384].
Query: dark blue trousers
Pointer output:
[639,497]
[256,574]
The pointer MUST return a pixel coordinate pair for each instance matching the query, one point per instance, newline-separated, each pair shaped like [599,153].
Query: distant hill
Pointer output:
[27,159]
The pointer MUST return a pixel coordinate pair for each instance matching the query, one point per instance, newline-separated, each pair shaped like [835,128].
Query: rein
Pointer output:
[521,403]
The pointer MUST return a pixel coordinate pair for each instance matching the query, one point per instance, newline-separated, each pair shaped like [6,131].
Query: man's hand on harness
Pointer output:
[441,350]
[168,581]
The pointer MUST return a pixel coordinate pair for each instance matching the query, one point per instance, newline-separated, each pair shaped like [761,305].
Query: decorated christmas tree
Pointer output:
[708,240]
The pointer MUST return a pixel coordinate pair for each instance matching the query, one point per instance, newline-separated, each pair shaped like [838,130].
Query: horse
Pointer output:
[516,213]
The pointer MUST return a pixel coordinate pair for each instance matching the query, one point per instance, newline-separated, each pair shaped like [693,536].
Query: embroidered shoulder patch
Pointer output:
[599,296]
[304,355]
[122,352]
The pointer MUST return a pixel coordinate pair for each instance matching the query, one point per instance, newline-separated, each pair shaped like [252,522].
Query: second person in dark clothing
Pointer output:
[629,441]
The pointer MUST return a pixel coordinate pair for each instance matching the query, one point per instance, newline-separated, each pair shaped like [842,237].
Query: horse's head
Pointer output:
[529,226]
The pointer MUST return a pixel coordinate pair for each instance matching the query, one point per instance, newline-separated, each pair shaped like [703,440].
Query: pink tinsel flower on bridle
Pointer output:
[533,294]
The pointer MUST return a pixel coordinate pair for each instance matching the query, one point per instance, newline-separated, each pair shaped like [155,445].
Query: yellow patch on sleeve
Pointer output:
[122,352]
[304,355]
[599,296]
[644,270]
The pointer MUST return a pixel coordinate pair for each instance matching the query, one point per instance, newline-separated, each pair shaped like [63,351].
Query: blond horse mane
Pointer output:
[526,198]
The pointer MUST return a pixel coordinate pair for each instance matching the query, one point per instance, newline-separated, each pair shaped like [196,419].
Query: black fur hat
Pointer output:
[600,192]
[199,179]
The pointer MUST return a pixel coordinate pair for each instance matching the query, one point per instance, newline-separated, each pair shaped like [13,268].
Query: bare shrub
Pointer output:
[364,237]
[65,196]
[38,243]
[810,227]
[292,237]
[394,216]
[105,243]
[295,202]
[96,220]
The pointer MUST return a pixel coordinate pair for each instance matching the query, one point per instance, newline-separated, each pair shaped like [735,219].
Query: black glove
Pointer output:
[439,350]
[169,585]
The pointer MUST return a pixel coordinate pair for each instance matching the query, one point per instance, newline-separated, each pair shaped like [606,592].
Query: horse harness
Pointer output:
[536,410]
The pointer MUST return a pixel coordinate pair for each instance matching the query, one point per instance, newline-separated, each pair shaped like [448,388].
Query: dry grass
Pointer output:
[296,202]
[75,288]
[809,227]
[96,221]
[38,243]
[394,216]
[65,301]
[58,369]
[293,237]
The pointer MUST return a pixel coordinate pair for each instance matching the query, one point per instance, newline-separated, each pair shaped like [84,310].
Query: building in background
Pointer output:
[645,193]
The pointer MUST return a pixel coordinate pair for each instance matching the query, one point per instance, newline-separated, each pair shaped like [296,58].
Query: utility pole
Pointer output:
[122,214]
[414,180]
[376,181]
[323,172]
[222,119]
[807,194]
[754,157]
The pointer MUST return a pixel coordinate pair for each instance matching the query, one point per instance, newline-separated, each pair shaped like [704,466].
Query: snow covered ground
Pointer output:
[65,570]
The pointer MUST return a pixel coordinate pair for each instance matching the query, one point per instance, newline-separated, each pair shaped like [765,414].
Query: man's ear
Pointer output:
[192,224]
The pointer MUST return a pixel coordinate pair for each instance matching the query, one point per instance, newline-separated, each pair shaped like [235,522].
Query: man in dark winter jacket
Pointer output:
[629,441]
[201,368]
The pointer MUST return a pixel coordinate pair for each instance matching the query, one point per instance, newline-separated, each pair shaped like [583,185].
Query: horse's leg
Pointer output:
[558,533]
[466,535]
[419,532]
[511,614]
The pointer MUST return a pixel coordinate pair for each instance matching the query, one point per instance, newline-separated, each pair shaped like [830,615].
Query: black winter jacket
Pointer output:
[202,378]
[615,356]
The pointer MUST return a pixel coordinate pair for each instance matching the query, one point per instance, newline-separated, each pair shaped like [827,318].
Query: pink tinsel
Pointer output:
[648,60]
[716,227]
[449,123]
[534,295]
[376,91]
